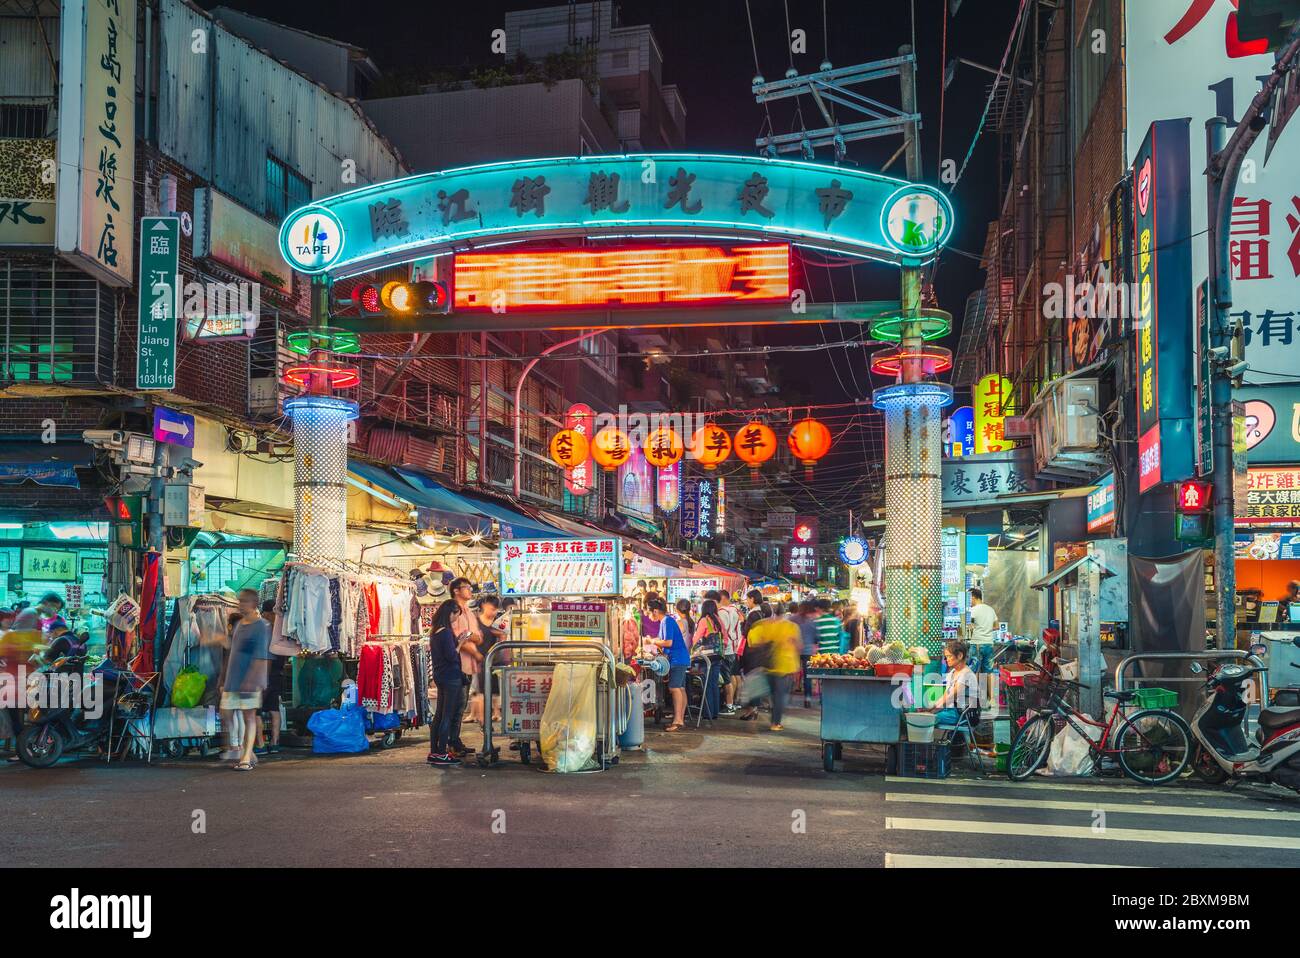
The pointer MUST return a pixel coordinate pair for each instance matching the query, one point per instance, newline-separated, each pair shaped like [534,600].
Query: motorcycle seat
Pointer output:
[1278,718]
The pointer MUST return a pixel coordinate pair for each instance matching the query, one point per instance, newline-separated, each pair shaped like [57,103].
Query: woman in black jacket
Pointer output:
[443,646]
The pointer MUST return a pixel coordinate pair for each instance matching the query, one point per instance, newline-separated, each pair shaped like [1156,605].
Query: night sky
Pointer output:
[708,53]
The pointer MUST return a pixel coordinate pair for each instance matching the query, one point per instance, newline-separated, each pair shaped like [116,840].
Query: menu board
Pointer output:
[561,567]
[578,620]
[692,588]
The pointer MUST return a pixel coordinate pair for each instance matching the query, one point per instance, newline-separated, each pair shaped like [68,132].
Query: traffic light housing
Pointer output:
[1269,20]
[1193,503]
[397,298]
[1194,497]
[126,516]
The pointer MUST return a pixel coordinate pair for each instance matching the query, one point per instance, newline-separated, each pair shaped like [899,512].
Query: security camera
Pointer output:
[110,438]
[1219,352]
[1237,369]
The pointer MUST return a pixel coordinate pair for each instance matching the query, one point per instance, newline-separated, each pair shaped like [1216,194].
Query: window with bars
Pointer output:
[24,121]
[286,189]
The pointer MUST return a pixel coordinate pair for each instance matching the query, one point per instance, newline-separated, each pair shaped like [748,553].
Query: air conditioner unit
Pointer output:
[1065,425]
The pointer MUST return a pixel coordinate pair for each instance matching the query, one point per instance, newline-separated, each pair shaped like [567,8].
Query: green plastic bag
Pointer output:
[188,689]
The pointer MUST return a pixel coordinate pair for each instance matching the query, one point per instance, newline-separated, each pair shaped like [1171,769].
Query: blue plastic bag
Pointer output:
[336,731]
[383,721]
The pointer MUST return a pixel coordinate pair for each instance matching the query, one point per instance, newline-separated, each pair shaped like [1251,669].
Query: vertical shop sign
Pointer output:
[1204,382]
[993,404]
[95,193]
[1164,327]
[578,480]
[959,433]
[669,487]
[689,521]
[159,264]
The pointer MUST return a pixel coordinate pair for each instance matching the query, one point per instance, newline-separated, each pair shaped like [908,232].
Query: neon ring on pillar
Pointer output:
[911,395]
[322,404]
[932,360]
[338,375]
[934,324]
[303,341]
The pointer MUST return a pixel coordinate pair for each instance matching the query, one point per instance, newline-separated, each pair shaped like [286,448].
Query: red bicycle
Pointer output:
[1152,746]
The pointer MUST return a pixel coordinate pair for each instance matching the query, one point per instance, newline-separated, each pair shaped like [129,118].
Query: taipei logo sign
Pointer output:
[1144,187]
[311,241]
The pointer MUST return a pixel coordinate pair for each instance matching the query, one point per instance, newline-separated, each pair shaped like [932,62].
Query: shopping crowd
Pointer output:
[756,652]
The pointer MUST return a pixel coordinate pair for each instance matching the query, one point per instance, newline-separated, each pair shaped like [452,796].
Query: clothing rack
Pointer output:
[351,567]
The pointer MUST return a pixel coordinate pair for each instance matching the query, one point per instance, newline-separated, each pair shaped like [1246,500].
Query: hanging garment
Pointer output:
[151,568]
[370,671]
[318,680]
[372,610]
[309,612]
[336,613]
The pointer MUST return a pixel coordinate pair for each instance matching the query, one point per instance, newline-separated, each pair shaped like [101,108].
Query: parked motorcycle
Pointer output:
[1223,750]
[61,728]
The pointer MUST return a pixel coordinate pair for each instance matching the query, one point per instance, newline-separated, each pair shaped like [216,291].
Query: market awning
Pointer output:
[52,464]
[513,524]
[1056,575]
[440,508]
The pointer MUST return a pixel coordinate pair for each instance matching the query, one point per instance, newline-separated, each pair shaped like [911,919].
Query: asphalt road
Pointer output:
[737,795]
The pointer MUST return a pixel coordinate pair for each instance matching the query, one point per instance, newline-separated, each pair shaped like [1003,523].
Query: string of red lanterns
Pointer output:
[754,444]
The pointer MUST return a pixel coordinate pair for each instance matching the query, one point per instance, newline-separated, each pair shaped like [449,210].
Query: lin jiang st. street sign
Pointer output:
[646,197]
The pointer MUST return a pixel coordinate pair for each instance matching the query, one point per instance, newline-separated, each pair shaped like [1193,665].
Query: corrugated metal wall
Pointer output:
[24,64]
[262,107]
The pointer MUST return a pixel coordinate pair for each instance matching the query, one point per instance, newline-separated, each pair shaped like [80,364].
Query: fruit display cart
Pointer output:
[857,698]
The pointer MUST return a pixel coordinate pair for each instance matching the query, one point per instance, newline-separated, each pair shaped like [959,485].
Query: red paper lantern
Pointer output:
[809,441]
[610,448]
[755,444]
[710,446]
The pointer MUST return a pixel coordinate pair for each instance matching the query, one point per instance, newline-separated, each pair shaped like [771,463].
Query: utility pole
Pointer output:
[157,543]
[1223,165]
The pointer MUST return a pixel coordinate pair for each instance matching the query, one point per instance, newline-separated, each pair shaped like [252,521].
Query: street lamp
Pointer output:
[519,392]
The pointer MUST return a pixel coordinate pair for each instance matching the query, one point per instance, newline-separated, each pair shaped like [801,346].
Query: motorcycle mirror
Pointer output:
[1196,668]
[1259,649]
[1296,641]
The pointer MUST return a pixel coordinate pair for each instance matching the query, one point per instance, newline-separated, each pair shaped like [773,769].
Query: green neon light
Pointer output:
[303,341]
[933,323]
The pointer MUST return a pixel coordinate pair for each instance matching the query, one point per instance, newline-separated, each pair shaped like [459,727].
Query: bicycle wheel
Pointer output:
[1030,746]
[1154,746]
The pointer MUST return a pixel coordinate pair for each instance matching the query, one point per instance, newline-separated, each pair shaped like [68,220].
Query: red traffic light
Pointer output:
[400,299]
[366,299]
[1194,497]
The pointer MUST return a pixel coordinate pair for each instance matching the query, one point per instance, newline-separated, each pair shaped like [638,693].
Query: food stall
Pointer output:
[557,669]
[858,701]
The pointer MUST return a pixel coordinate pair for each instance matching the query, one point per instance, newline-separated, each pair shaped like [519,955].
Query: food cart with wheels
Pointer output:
[858,708]
[570,589]
[865,694]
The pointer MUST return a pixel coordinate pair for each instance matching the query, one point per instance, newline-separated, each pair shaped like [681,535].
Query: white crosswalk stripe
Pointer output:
[949,861]
[991,823]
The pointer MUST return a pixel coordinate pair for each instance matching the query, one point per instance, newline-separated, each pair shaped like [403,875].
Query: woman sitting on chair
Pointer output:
[961,688]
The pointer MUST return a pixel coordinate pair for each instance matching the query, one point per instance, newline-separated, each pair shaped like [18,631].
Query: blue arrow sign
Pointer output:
[173,427]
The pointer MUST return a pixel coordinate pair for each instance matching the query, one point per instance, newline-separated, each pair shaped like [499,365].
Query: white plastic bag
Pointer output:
[568,730]
[1070,754]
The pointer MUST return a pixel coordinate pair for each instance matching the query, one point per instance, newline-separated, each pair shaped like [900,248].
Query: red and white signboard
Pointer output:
[580,480]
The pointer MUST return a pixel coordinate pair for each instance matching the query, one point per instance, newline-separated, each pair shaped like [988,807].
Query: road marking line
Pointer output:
[1087,831]
[946,861]
[1129,807]
[1134,789]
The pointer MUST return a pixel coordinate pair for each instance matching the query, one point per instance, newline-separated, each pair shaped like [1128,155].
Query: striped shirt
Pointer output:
[828,634]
